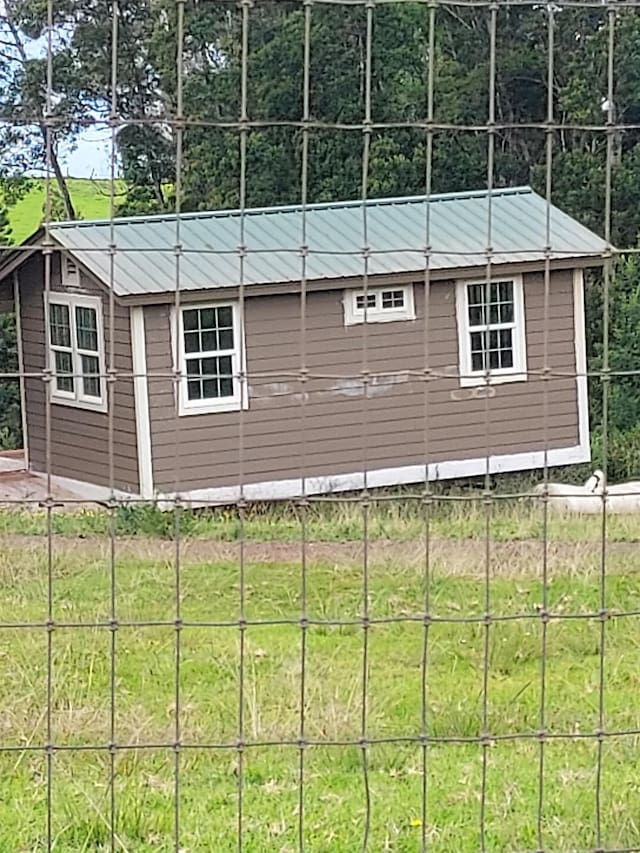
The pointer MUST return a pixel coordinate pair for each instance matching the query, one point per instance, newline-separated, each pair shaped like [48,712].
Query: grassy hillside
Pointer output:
[90,197]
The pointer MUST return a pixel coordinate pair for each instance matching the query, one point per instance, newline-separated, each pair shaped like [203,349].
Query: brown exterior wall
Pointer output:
[6,296]
[79,438]
[276,441]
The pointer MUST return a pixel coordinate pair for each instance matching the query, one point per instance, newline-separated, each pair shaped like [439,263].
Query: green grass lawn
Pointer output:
[270,668]
[90,197]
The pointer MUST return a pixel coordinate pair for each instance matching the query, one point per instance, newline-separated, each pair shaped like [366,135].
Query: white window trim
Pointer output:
[517,373]
[240,399]
[66,398]
[354,315]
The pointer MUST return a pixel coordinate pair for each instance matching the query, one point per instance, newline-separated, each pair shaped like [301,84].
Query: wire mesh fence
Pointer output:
[256,605]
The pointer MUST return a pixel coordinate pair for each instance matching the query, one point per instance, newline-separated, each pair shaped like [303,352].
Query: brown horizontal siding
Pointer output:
[206,450]
[380,414]
[79,438]
[347,451]
[6,296]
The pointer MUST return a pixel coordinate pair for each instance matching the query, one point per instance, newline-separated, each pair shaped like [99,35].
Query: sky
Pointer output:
[91,157]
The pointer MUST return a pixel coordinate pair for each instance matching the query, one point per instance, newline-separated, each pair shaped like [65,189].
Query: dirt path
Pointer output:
[451,556]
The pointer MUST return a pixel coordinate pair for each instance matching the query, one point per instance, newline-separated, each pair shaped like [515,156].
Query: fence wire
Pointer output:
[423,793]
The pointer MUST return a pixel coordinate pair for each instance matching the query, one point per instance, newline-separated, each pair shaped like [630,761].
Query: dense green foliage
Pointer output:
[10,420]
[338,80]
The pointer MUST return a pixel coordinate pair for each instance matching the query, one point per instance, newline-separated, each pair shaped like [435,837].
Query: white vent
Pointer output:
[70,272]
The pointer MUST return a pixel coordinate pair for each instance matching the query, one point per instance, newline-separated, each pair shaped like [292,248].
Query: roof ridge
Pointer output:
[293,208]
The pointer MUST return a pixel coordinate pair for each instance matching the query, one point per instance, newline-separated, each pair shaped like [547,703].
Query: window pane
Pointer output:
[194,390]
[226,386]
[505,313]
[477,350]
[226,339]
[475,294]
[224,365]
[494,314]
[476,315]
[392,298]
[209,342]
[210,389]
[209,367]
[90,377]
[207,318]
[505,338]
[87,329]
[64,371]
[477,361]
[191,342]
[190,320]
[60,329]
[505,290]
[225,317]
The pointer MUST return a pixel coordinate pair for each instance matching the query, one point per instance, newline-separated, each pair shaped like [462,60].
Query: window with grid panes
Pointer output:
[75,343]
[492,329]
[210,358]
[379,305]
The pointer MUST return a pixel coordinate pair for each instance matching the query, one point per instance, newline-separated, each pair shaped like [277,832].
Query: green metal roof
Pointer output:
[261,246]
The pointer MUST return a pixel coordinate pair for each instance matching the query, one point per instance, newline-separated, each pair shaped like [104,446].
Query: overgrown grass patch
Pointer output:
[389,517]
[459,643]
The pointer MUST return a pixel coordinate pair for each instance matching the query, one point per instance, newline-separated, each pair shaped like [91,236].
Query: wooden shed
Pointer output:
[279,351]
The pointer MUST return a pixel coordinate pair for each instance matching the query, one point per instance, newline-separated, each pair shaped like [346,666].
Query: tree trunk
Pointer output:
[60,179]
[52,156]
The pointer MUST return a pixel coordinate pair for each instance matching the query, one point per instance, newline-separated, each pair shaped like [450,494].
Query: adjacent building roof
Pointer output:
[262,246]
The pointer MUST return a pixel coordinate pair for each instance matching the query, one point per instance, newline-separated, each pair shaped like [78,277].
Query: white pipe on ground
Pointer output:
[590,498]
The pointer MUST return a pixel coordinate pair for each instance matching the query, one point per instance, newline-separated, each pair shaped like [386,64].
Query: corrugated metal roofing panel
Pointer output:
[456,227]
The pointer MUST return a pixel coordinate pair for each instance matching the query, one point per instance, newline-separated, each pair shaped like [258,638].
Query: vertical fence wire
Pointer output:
[245,7]
[303,391]
[546,378]
[110,380]
[427,497]
[488,494]
[609,273]
[425,739]
[178,325]
[47,252]
[366,380]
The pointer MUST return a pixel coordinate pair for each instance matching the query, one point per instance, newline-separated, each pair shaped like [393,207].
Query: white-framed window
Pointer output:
[379,304]
[211,359]
[491,331]
[76,348]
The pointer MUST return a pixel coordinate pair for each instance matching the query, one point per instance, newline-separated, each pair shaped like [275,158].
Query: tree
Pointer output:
[24,102]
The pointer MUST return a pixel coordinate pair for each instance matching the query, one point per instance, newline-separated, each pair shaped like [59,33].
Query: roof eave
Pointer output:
[581,261]
[16,255]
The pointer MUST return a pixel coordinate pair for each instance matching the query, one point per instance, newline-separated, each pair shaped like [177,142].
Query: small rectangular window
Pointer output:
[491,331]
[383,304]
[210,359]
[75,343]
[392,299]
[360,301]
